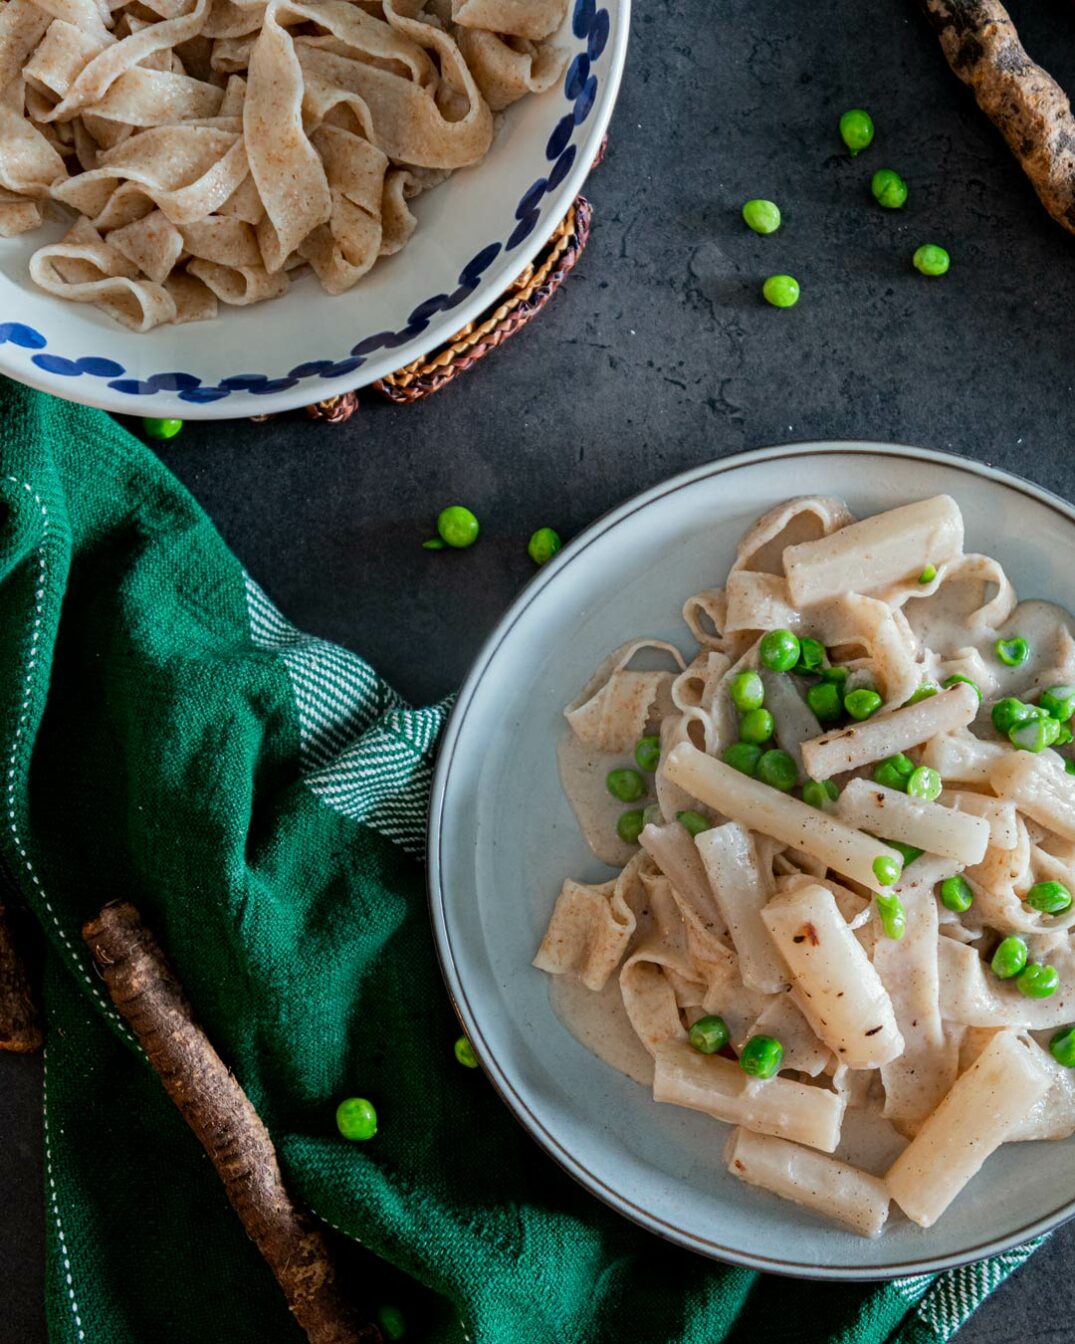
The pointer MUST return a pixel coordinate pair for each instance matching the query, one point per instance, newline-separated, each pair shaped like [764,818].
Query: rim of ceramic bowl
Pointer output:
[504,1085]
[494,280]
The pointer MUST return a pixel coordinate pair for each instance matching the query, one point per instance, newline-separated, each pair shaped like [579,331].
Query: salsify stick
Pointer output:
[20,1026]
[1022,100]
[151,1000]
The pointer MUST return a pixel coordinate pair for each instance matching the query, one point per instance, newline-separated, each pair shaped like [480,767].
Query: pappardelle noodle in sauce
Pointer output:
[845,834]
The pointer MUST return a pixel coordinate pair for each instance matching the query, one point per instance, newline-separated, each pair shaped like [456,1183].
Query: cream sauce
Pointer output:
[600,1023]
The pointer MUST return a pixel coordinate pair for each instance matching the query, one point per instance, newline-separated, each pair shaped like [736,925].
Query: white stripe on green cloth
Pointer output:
[364,751]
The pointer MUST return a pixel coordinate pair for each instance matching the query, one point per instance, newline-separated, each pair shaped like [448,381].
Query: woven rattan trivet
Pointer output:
[528,294]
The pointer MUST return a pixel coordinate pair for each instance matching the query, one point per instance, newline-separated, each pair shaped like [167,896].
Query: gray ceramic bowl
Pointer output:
[502,838]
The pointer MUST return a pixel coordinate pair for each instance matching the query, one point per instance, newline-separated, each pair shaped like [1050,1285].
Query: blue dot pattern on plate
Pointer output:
[591,26]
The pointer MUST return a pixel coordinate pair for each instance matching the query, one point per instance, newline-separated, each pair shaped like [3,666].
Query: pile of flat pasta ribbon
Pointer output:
[211,149]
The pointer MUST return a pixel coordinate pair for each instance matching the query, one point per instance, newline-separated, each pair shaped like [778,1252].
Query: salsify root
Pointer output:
[1022,100]
[20,1025]
[151,1000]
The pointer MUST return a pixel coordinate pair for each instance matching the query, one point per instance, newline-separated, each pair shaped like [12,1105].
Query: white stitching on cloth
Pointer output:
[54,1201]
[24,714]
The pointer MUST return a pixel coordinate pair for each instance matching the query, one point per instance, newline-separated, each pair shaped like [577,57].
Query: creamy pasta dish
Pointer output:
[208,150]
[845,835]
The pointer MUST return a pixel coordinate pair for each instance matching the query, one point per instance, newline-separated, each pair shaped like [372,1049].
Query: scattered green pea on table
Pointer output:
[356,1119]
[457,527]
[162,429]
[782,291]
[543,545]
[929,259]
[889,189]
[762,216]
[464,1053]
[392,1322]
[856,129]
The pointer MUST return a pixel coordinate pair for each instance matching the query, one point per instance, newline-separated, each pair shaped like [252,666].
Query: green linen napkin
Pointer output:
[169,738]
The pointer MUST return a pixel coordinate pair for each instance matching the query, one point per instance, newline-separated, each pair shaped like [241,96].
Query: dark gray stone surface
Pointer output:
[660,355]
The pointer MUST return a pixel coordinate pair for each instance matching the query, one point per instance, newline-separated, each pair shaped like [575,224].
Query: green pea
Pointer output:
[652,815]
[886,869]
[693,822]
[1064,736]
[955,893]
[356,1119]
[863,703]
[889,189]
[762,216]
[957,678]
[779,650]
[1059,702]
[392,1322]
[1037,981]
[894,771]
[782,291]
[761,1056]
[543,545]
[893,915]
[1008,713]
[1009,958]
[836,674]
[1035,734]
[630,825]
[928,574]
[907,852]
[709,1034]
[1069,766]
[922,693]
[925,783]
[1012,652]
[777,769]
[756,726]
[747,691]
[162,429]
[1051,898]
[743,756]
[812,655]
[464,1053]
[856,129]
[648,753]
[820,793]
[433,544]
[626,785]
[1062,1047]
[824,700]
[931,259]
[457,527]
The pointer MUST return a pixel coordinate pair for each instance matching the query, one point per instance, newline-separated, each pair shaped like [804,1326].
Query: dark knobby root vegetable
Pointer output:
[1022,100]
[152,1002]
[20,1026]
